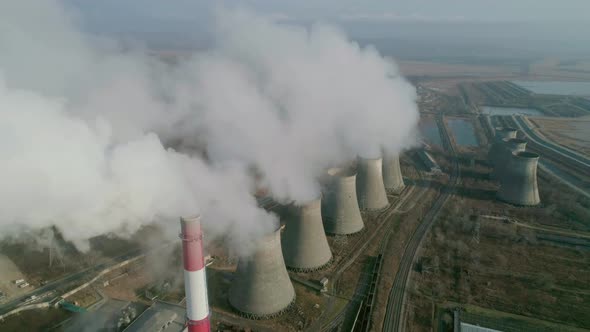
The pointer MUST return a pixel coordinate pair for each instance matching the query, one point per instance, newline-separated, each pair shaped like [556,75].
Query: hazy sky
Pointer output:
[519,25]
[479,10]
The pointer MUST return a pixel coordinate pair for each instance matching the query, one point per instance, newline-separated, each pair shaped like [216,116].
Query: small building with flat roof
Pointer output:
[465,327]
[160,317]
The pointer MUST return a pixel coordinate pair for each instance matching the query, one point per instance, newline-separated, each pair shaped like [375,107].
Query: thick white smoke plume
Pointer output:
[83,123]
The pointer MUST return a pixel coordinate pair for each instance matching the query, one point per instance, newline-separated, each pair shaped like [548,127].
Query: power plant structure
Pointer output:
[518,182]
[195,282]
[340,208]
[392,173]
[509,146]
[261,287]
[305,246]
[501,133]
[370,188]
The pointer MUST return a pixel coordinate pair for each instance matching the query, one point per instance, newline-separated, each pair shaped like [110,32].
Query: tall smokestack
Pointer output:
[518,184]
[261,287]
[509,146]
[195,279]
[369,184]
[340,207]
[305,246]
[392,173]
[501,133]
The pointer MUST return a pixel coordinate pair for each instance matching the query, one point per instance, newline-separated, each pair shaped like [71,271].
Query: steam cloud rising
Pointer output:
[84,122]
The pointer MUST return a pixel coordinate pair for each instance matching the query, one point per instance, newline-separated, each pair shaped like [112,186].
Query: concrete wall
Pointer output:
[305,247]
[518,184]
[370,189]
[340,209]
[261,287]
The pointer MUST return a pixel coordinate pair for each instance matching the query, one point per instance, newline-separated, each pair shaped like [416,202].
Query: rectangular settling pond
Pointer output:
[463,132]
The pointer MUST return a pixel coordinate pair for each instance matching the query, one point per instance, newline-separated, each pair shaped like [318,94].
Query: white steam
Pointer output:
[83,123]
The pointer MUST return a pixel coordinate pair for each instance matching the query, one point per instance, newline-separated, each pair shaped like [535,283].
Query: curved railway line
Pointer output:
[395,305]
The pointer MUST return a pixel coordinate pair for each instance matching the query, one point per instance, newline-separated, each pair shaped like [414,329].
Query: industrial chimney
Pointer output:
[501,134]
[392,174]
[518,184]
[340,207]
[369,184]
[195,282]
[305,246]
[261,287]
[509,146]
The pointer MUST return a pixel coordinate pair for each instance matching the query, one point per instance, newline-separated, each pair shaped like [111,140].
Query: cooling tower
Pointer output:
[501,134]
[392,174]
[195,282]
[369,184]
[518,184]
[261,287]
[340,207]
[305,246]
[509,146]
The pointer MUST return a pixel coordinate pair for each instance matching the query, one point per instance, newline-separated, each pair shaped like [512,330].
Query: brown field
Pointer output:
[571,133]
[444,77]
[472,260]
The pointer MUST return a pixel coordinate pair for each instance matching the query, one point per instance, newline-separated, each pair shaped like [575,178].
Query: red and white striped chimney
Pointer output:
[195,282]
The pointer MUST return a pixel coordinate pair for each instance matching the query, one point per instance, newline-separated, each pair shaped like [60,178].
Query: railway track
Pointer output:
[358,248]
[355,251]
[395,305]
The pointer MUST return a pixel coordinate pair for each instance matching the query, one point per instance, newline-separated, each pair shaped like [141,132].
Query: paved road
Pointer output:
[565,157]
[63,282]
[533,136]
[395,304]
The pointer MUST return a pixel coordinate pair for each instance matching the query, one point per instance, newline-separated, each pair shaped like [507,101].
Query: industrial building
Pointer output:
[370,188]
[261,287]
[304,244]
[429,162]
[466,327]
[340,208]
[160,317]
[507,148]
[518,184]
[392,174]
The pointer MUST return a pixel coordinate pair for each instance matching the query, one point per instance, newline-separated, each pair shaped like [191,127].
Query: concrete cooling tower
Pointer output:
[261,287]
[392,174]
[369,184]
[509,146]
[501,134]
[340,207]
[305,246]
[518,184]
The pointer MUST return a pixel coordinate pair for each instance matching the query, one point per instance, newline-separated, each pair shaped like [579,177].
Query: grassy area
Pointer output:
[508,322]
[482,263]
